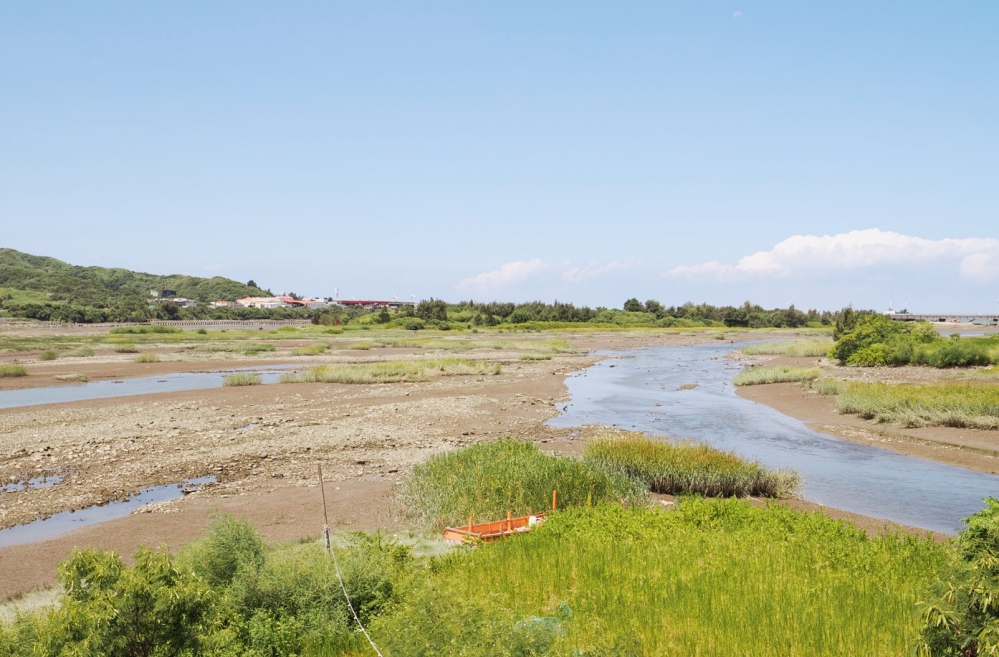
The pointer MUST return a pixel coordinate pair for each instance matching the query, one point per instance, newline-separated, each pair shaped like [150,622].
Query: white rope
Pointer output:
[332,553]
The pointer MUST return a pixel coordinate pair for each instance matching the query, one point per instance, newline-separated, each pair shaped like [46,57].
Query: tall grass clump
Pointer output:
[486,481]
[82,352]
[125,349]
[687,467]
[393,371]
[795,348]
[48,354]
[712,577]
[244,348]
[242,379]
[147,358]
[12,371]
[756,375]
[946,404]
[534,357]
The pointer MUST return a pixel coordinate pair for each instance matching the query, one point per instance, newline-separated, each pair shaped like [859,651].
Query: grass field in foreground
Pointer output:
[752,376]
[713,577]
[946,404]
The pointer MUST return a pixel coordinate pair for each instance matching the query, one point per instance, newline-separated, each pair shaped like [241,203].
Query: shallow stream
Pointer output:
[147,385]
[640,390]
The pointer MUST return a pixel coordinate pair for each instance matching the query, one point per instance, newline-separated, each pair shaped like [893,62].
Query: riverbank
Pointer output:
[973,449]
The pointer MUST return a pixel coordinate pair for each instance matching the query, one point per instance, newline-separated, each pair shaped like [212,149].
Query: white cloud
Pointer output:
[591,271]
[858,249]
[508,274]
[737,14]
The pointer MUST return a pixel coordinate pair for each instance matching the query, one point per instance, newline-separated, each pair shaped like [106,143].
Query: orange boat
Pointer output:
[490,531]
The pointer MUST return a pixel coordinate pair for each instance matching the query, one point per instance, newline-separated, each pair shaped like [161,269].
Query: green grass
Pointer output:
[314,350]
[486,481]
[82,352]
[712,577]
[393,371]
[534,357]
[241,348]
[796,348]
[143,330]
[687,467]
[147,358]
[11,371]
[242,379]
[946,404]
[48,354]
[756,375]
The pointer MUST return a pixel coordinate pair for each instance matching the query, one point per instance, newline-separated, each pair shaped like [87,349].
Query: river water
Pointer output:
[639,390]
[146,385]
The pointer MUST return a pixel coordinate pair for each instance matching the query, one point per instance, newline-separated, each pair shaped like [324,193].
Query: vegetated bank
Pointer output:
[608,574]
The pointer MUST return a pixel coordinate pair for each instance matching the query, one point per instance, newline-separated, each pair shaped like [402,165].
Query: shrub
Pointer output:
[687,467]
[487,480]
[414,324]
[11,371]
[147,358]
[955,353]
[880,341]
[965,619]
[48,354]
[125,349]
[232,546]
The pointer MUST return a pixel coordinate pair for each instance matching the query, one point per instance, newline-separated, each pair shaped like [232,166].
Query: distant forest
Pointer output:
[42,288]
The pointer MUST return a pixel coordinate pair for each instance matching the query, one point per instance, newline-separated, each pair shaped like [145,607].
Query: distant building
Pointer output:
[262,302]
[183,303]
[224,304]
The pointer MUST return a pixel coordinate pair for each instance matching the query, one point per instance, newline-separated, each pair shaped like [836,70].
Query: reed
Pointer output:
[242,379]
[796,348]
[667,466]
[48,354]
[488,480]
[947,404]
[12,371]
[393,371]
[752,376]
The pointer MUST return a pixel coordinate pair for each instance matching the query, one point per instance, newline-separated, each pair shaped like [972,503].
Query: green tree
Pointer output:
[633,305]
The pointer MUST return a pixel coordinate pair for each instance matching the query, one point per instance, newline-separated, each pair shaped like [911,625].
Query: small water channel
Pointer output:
[67,521]
[128,387]
[640,390]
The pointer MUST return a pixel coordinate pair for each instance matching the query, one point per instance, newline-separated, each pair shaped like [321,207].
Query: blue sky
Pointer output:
[586,152]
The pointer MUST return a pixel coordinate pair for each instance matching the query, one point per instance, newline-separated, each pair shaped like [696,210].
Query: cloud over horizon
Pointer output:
[975,258]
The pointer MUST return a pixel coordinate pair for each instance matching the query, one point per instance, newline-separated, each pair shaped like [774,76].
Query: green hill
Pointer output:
[45,288]
[61,281]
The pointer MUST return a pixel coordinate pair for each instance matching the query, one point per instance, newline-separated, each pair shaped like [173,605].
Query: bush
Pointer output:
[125,349]
[872,340]
[956,353]
[147,358]
[414,324]
[965,619]
[48,354]
[232,546]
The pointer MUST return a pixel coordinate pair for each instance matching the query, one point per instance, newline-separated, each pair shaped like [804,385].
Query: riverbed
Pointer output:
[687,392]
